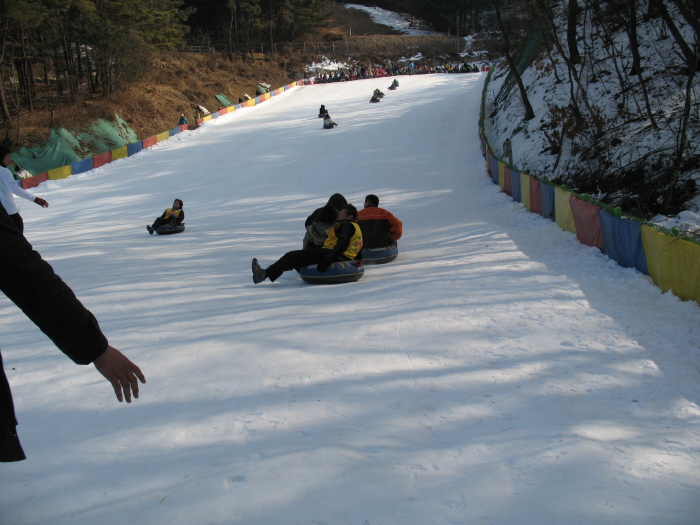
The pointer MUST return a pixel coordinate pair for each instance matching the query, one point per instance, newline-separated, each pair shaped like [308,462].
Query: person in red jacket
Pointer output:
[379,227]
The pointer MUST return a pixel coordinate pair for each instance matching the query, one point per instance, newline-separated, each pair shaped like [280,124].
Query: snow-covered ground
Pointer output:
[400,22]
[497,372]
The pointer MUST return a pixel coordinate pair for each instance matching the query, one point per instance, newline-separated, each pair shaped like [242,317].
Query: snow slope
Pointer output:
[497,372]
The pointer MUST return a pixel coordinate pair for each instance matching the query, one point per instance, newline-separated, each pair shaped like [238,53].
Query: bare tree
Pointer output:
[529,113]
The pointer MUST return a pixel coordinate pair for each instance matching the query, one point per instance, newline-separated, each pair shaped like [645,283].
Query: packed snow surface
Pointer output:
[498,372]
[403,23]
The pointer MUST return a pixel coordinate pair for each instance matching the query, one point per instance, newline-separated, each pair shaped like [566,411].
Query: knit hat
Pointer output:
[337,201]
[328,214]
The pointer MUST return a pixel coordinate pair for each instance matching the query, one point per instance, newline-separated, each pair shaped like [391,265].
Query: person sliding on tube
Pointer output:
[328,122]
[174,215]
[344,243]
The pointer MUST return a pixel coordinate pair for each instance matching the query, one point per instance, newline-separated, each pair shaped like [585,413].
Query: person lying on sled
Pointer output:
[174,215]
[344,243]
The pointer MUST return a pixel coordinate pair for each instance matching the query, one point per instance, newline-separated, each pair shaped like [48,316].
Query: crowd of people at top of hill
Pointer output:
[360,73]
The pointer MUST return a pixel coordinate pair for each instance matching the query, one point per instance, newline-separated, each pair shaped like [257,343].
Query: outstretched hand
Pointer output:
[121,372]
[41,202]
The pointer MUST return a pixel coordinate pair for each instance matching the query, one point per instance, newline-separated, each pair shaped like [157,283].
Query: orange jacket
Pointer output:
[379,227]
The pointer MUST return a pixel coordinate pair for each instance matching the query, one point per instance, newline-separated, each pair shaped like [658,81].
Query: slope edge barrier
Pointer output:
[129,150]
[672,261]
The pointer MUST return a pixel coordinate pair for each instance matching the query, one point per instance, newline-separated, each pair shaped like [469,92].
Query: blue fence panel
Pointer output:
[81,166]
[134,148]
[622,239]
[174,131]
[547,195]
[515,185]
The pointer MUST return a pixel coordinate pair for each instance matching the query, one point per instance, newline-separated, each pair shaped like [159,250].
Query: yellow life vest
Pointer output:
[174,212]
[353,248]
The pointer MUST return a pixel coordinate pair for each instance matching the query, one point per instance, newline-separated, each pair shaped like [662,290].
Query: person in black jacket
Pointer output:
[344,243]
[336,200]
[30,282]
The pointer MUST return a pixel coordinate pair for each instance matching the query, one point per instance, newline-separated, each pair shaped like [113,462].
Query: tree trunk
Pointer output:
[636,59]
[572,14]
[529,113]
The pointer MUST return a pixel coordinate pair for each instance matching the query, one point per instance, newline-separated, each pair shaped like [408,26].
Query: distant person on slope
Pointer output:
[182,121]
[10,186]
[322,112]
[328,122]
[379,227]
[174,215]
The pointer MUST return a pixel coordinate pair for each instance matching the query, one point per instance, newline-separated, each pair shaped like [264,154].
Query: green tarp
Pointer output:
[222,98]
[65,147]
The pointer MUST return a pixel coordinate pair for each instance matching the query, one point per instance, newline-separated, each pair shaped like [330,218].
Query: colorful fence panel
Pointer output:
[515,185]
[120,153]
[150,141]
[33,182]
[101,160]
[587,222]
[81,166]
[507,183]
[162,136]
[562,210]
[622,241]
[134,148]
[525,189]
[59,173]
[674,264]
[535,196]
[494,170]
[501,174]
[547,198]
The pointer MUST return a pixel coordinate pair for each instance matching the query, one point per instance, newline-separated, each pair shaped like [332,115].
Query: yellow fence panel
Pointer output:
[562,210]
[162,136]
[120,153]
[674,264]
[525,189]
[59,173]
[501,174]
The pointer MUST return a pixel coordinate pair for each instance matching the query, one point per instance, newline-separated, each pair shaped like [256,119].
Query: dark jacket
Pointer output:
[30,282]
[379,227]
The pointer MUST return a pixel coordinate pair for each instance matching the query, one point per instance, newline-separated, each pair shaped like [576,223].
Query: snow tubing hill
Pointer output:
[170,228]
[382,255]
[338,272]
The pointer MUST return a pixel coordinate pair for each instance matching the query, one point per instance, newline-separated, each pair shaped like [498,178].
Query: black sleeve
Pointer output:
[181,217]
[313,217]
[30,282]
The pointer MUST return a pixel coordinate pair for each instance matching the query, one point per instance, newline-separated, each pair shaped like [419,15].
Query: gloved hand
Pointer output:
[41,202]
[323,265]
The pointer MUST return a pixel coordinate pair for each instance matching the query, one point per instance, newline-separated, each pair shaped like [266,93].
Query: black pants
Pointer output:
[17,219]
[10,448]
[160,221]
[296,260]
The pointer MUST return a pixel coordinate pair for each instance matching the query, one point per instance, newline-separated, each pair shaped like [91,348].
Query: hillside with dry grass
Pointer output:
[178,82]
